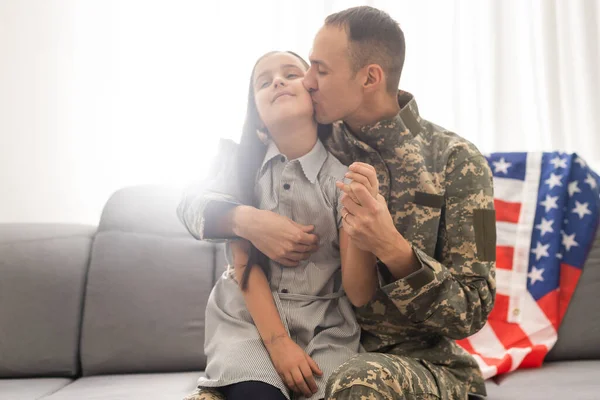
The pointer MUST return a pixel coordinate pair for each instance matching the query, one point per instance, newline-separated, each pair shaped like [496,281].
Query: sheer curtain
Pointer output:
[509,75]
[143,89]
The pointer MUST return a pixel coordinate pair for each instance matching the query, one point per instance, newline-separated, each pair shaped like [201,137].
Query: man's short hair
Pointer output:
[374,38]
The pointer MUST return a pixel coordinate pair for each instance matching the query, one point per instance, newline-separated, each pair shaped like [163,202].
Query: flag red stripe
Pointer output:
[549,306]
[502,364]
[504,257]
[569,276]
[510,334]
[506,211]
[535,359]
[500,310]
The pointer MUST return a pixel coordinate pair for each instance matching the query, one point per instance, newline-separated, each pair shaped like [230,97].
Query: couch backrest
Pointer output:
[579,333]
[147,288]
[42,278]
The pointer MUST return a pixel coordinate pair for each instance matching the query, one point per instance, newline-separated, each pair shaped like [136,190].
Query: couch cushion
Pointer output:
[130,387]
[144,209]
[488,385]
[30,388]
[579,333]
[555,380]
[42,270]
[147,291]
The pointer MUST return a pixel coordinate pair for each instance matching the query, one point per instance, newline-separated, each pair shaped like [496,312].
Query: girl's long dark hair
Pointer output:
[250,157]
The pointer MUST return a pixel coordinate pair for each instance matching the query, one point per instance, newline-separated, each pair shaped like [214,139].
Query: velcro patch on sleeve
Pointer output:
[484,225]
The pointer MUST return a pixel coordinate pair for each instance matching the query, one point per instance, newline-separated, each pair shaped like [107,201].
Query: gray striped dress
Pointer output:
[310,300]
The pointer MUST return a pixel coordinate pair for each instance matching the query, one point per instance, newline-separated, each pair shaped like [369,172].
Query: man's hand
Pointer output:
[369,224]
[367,220]
[361,216]
[362,174]
[294,366]
[278,237]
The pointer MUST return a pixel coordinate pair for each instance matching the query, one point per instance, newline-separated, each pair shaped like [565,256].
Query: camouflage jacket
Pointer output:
[439,191]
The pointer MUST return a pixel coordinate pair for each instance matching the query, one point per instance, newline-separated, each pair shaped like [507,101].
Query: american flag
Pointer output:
[547,212]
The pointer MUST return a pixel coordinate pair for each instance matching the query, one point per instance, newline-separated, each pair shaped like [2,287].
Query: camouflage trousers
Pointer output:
[377,376]
[205,394]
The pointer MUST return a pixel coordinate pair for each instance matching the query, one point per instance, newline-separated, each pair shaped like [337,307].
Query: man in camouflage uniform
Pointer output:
[439,195]
[432,228]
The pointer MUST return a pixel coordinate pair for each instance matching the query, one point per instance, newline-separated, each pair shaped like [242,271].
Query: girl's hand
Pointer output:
[294,366]
[360,174]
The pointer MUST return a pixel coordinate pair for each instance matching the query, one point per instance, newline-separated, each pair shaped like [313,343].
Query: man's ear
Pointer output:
[374,76]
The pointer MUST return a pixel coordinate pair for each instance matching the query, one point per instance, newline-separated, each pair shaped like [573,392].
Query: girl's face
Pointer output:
[278,91]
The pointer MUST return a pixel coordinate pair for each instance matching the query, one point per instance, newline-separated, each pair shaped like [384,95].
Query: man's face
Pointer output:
[335,90]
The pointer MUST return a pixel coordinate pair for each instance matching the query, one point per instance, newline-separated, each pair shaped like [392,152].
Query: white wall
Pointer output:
[91,102]
[36,150]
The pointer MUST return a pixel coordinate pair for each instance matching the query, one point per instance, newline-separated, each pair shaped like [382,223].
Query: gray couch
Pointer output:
[117,312]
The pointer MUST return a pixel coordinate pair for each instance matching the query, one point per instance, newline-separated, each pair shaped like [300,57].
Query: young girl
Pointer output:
[272,329]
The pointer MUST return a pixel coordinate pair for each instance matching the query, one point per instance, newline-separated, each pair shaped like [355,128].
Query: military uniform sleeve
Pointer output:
[453,294]
[214,197]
